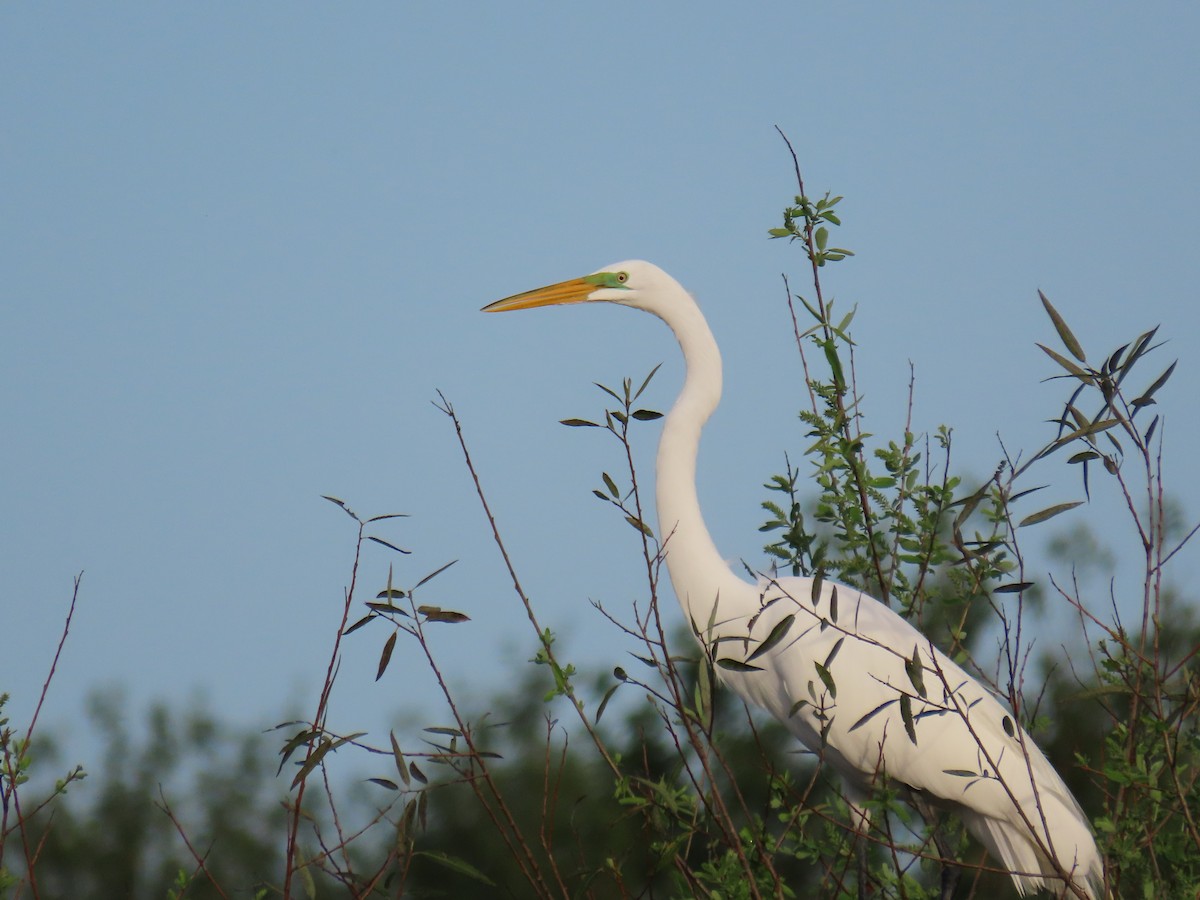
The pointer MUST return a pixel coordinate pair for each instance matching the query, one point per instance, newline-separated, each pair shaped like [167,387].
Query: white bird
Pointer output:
[837,667]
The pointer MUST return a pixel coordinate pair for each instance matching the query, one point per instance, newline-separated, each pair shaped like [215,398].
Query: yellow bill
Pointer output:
[574,291]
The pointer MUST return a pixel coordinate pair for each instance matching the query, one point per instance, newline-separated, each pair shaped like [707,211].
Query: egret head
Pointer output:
[634,282]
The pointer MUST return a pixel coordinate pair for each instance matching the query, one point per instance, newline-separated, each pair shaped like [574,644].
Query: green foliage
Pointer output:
[649,780]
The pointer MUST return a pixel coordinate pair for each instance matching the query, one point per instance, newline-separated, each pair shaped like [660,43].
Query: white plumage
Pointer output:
[837,667]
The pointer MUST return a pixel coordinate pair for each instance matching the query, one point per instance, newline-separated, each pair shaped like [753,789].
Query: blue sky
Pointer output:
[245,245]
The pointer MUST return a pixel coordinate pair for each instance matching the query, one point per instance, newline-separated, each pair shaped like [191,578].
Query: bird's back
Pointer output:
[862,688]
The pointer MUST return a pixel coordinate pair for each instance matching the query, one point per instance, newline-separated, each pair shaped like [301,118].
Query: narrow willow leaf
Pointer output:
[1049,513]
[833,652]
[915,670]
[388,545]
[461,866]
[417,774]
[388,516]
[1064,333]
[604,702]
[383,782]
[646,415]
[872,714]
[961,773]
[443,729]
[297,740]
[435,573]
[359,624]
[1113,363]
[1142,344]
[1150,429]
[314,759]
[907,715]
[437,614]
[1025,493]
[826,679]
[645,383]
[386,656]
[1102,425]
[1014,588]
[704,694]
[835,365]
[610,484]
[1080,373]
[578,423]
[609,391]
[833,608]
[389,593]
[640,525]
[778,633]
[388,608]
[736,665]
[1159,382]
[398,757]
[1009,728]
[342,504]
[797,706]
[1083,456]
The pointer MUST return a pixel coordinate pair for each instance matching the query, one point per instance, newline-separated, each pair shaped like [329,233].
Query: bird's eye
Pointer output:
[622,277]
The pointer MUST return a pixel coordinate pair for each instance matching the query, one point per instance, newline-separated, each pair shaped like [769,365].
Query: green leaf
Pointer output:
[646,415]
[778,633]
[610,484]
[833,652]
[653,372]
[1014,588]
[435,573]
[1080,373]
[386,656]
[915,670]
[1145,399]
[401,765]
[736,665]
[388,516]
[1049,513]
[578,423]
[1064,333]
[640,526]
[314,759]
[340,503]
[437,614]
[461,866]
[907,715]
[604,702]
[386,544]
[826,679]
[359,624]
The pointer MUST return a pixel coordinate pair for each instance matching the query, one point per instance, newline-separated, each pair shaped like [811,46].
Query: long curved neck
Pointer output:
[698,572]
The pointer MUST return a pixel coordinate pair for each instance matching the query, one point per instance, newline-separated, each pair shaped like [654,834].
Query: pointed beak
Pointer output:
[574,291]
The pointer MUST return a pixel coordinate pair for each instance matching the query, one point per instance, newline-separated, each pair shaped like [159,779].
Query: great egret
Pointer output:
[855,682]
